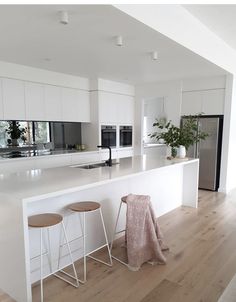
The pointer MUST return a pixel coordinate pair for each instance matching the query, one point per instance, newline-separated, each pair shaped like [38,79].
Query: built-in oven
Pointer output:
[126,136]
[108,135]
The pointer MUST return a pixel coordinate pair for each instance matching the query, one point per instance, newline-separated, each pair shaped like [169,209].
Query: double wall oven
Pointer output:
[110,133]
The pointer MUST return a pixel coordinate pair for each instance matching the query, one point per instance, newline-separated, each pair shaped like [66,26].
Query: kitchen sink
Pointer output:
[93,166]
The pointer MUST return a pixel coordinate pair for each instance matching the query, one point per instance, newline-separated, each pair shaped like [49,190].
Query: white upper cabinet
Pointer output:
[53,103]
[208,102]
[13,99]
[84,106]
[116,108]
[191,103]
[35,101]
[213,101]
[1,102]
[75,105]
[125,109]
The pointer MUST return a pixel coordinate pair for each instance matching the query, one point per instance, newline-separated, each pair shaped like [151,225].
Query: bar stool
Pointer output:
[123,201]
[85,208]
[46,221]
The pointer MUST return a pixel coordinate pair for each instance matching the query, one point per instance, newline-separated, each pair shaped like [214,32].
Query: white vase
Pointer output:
[182,151]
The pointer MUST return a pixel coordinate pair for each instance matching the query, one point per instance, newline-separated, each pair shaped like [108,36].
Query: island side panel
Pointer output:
[164,185]
[190,183]
[14,273]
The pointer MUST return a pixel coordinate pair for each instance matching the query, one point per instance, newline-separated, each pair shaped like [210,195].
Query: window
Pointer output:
[41,132]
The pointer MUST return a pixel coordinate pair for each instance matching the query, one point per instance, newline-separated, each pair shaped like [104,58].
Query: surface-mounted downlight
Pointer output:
[64,18]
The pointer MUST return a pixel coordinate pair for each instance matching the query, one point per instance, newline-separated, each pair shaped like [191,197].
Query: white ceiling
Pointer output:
[221,19]
[32,35]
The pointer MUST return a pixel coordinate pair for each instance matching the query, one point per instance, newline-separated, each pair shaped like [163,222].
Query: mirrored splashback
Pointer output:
[39,135]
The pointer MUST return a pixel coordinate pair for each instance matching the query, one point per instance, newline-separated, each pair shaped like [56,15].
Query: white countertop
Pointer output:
[151,145]
[43,183]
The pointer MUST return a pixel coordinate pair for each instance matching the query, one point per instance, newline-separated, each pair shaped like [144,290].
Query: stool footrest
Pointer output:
[64,279]
[101,261]
[117,259]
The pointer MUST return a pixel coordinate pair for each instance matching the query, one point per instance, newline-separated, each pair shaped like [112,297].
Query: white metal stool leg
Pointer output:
[75,277]
[107,244]
[84,248]
[41,264]
[114,234]
[85,255]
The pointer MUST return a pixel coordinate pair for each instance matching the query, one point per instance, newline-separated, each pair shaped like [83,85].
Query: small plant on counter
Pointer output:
[186,135]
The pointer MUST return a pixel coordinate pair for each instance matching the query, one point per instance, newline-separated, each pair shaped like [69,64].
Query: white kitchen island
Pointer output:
[170,185]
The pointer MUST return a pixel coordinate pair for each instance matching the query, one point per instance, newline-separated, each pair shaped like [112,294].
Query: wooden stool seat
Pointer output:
[44,220]
[124,198]
[85,206]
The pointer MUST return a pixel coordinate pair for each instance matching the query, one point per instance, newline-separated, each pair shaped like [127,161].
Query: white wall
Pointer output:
[228,164]
[171,91]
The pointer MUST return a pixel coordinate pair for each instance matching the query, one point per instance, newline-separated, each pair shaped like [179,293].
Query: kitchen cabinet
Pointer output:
[115,108]
[83,106]
[1,102]
[209,102]
[75,105]
[13,99]
[53,103]
[191,103]
[125,152]
[35,102]
[213,101]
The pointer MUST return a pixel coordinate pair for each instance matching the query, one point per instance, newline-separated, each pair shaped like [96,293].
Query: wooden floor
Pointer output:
[201,261]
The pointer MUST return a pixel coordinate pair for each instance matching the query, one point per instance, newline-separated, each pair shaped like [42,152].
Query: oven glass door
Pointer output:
[109,137]
[125,137]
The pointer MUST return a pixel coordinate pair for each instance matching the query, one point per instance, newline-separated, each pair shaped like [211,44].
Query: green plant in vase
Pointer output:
[169,133]
[15,131]
[175,137]
[189,132]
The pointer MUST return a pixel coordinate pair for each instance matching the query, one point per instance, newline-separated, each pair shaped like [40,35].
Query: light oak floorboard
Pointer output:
[200,263]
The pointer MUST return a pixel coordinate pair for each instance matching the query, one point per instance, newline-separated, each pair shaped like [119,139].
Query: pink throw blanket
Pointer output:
[143,234]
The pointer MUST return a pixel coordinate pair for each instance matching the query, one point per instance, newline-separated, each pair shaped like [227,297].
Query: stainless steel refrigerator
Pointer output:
[208,151]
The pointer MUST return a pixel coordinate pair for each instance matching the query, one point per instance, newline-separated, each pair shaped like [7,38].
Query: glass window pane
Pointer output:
[42,133]
[3,134]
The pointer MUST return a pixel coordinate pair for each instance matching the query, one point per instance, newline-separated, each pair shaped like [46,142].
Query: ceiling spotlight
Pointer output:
[154,55]
[119,40]
[64,18]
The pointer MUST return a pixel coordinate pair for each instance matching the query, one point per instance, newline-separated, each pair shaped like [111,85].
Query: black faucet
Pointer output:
[109,161]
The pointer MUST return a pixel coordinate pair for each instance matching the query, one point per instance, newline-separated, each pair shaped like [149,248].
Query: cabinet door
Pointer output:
[35,102]
[69,105]
[83,106]
[1,102]
[125,109]
[191,103]
[107,108]
[115,108]
[13,99]
[53,103]
[213,101]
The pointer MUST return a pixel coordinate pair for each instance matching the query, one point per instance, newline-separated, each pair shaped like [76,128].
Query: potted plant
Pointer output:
[169,133]
[15,132]
[179,137]
[190,134]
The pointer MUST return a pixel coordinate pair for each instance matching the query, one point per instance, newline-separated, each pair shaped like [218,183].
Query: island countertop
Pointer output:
[44,183]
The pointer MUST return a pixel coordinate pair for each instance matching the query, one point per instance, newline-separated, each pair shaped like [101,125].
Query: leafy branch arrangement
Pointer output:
[174,136]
